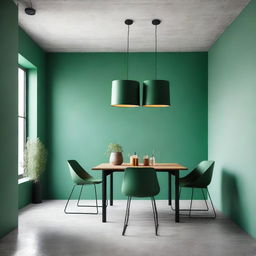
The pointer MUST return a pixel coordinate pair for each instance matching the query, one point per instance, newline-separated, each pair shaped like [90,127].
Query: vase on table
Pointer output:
[116,158]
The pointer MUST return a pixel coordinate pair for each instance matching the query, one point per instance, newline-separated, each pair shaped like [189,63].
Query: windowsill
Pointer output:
[23,180]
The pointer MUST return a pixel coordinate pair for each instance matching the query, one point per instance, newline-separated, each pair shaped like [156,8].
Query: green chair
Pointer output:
[140,182]
[81,178]
[200,178]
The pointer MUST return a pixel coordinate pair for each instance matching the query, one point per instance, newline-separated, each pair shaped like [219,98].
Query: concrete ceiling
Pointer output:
[98,25]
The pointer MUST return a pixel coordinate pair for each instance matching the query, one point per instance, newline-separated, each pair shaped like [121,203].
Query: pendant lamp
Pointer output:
[156,93]
[126,93]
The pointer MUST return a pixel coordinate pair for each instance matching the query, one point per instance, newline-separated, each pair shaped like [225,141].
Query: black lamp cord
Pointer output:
[127,51]
[156,52]
[29,1]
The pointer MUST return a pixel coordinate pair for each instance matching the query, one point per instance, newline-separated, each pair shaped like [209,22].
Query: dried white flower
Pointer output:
[35,158]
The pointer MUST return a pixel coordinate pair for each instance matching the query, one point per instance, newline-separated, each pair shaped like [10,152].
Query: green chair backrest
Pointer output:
[140,182]
[78,174]
[202,174]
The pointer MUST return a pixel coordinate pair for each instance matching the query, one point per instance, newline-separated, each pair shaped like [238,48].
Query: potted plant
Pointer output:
[115,152]
[34,165]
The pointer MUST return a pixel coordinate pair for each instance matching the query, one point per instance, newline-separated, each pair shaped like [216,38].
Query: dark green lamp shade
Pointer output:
[156,93]
[125,93]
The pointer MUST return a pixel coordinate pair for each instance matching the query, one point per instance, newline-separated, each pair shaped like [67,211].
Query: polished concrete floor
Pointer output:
[44,230]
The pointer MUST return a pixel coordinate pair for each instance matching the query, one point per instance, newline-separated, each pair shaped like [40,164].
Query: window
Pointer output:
[21,119]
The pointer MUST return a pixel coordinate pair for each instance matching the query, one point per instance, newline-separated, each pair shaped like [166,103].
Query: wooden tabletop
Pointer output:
[157,166]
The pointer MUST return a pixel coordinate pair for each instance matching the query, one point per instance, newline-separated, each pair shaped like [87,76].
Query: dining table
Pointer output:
[108,169]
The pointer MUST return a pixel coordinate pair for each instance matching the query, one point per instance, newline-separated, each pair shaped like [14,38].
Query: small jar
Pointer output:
[135,161]
[146,161]
[131,160]
[152,160]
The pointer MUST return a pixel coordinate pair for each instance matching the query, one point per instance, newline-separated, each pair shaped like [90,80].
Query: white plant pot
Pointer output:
[116,158]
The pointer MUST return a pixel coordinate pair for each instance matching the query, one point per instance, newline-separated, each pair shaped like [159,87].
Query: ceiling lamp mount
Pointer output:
[30,10]
[128,22]
[126,93]
[156,22]
[156,93]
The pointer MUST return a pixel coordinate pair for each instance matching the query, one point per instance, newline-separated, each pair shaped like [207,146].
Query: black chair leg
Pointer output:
[191,202]
[80,195]
[194,210]
[205,203]
[96,198]
[127,215]
[84,205]
[155,214]
[68,212]
[65,209]
[211,203]
[207,207]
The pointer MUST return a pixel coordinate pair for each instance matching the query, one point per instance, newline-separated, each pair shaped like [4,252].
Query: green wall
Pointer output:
[232,119]
[9,116]
[81,122]
[32,57]
[25,194]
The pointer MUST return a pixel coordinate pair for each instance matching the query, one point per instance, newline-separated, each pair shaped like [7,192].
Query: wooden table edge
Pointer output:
[158,166]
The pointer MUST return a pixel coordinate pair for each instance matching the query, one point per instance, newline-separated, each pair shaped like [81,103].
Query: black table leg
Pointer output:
[169,188]
[111,188]
[177,203]
[104,196]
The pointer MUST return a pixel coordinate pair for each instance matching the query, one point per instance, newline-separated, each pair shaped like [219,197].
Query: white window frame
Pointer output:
[22,119]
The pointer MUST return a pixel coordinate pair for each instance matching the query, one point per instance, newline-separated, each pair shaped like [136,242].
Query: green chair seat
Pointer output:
[189,184]
[93,181]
